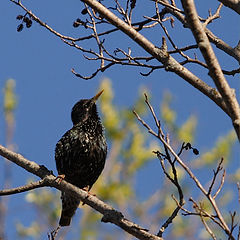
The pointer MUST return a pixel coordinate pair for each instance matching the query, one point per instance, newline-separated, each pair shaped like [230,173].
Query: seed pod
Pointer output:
[84,11]
[19,17]
[195,151]
[77,23]
[20,27]
[26,19]
[29,23]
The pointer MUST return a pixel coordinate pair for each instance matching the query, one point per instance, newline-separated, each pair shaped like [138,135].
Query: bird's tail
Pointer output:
[69,207]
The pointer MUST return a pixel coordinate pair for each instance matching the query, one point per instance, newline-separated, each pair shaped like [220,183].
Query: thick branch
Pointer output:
[233,4]
[109,213]
[215,70]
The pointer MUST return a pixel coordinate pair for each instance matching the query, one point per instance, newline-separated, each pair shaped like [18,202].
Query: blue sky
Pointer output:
[46,89]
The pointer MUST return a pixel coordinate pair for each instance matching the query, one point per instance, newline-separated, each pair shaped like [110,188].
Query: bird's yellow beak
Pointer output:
[95,98]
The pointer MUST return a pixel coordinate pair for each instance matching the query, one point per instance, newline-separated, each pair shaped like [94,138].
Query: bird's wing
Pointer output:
[70,147]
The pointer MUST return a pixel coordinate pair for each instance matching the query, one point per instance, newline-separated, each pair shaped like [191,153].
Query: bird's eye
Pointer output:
[86,106]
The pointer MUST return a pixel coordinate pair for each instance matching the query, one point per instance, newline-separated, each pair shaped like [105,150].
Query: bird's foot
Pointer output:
[87,189]
[59,178]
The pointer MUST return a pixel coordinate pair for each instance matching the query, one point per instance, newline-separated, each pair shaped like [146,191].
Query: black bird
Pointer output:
[81,153]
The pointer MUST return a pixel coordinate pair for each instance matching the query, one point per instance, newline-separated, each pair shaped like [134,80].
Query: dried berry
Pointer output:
[195,151]
[26,19]
[188,146]
[77,23]
[133,3]
[20,27]
[29,23]
[19,17]
[84,11]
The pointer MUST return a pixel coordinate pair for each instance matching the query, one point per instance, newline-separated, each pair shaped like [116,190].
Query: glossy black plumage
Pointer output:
[81,152]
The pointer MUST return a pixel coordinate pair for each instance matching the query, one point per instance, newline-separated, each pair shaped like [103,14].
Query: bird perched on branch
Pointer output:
[81,153]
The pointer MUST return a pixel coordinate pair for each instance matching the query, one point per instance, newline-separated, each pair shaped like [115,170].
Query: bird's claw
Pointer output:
[87,189]
[59,178]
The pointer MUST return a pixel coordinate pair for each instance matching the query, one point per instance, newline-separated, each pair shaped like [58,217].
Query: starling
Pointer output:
[81,153]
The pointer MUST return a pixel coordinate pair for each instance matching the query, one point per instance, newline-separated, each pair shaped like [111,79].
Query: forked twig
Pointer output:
[211,198]
[215,173]
[175,182]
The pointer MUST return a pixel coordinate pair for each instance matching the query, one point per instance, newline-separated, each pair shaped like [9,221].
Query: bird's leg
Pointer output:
[59,178]
[54,233]
[87,189]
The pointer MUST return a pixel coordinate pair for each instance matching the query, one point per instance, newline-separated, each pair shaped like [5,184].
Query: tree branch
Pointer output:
[160,54]
[28,187]
[218,42]
[175,181]
[166,144]
[109,213]
[38,20]
[233,4]
[215,70]
[169,63]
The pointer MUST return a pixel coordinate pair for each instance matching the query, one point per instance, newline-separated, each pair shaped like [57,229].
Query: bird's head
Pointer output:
[84,109]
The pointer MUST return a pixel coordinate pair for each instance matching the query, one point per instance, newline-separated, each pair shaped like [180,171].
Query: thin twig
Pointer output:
[221,184]
[238,188]
[233,225]
[208,229]
[38,20]
[214,16]
[28,187]
[215,173]
[175,181]
[53,234]
[190,173]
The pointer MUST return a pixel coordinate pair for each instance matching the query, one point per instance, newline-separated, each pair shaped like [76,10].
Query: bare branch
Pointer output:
[28,187]
[166,4]
[153,114]
[176,183]
[215,173]
[109,214]
[218,42]
[221,184]
[35,18]
[183,49]
[233,4]
[233,225]
[170,64]
[208,229]
[190,173]
[238,188]
[214,68]
[93,74]
[53,234]
[212,17]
